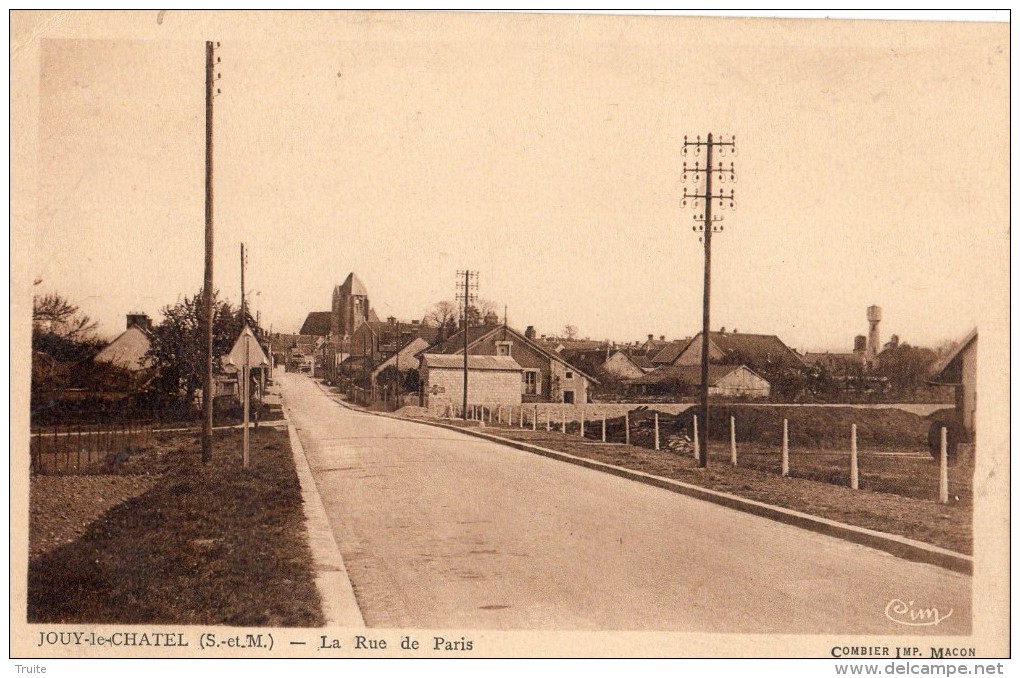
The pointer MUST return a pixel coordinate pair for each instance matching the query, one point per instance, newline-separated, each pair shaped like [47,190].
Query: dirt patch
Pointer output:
[62,507]
[203,544]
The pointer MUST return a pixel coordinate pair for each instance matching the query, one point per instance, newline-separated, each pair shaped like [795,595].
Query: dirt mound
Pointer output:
[814,427]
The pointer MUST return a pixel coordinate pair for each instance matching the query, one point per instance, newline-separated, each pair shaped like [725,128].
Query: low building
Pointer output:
[728,381]
[547,376]
[492,380]
[959,369]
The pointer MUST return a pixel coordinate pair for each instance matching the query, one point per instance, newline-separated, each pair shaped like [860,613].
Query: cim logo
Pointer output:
[905,613]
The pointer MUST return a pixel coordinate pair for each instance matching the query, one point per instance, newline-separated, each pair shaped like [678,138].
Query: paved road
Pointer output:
[442,530]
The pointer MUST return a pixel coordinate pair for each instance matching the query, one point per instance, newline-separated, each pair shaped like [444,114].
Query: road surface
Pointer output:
[442,530]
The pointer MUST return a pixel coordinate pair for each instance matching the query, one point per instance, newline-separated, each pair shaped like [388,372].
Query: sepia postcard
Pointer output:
[463,335]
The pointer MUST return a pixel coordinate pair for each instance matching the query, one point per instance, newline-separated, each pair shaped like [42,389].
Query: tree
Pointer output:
[570,332]
[61,330]
[177,346]
[906,367]
[441,314]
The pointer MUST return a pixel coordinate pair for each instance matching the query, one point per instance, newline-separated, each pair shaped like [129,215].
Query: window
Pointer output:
[568,375]
[503,347]
[532,379]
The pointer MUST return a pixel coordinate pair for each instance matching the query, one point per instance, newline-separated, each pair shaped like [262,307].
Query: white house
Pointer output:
[492,380]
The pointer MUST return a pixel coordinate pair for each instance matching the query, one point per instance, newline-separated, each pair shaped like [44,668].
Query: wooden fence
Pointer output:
[77,448]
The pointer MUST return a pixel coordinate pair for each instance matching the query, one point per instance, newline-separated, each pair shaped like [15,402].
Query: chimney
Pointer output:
[141,319]
[662,337]
[529,333]
[651,337]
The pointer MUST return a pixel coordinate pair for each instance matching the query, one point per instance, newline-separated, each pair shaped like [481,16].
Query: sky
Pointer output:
[545,153]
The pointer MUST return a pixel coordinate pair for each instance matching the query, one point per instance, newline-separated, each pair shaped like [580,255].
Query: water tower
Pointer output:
[874,317]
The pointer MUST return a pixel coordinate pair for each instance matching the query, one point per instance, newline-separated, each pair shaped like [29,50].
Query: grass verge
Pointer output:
[210,544]
[946,525]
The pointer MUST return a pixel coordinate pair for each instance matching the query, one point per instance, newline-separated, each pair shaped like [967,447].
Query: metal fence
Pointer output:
[78,448]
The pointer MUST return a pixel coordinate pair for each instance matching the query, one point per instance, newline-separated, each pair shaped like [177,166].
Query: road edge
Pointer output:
[339,605]
[902,547]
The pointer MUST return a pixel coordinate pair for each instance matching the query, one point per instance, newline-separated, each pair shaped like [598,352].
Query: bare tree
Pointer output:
[570,332]
[441,314]
[54,314]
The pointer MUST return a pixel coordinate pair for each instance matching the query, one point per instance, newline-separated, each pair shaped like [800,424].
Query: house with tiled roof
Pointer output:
[546,375]
[730,381]
[668,354]
[760,352]
[604,361]
[642,360]
[316,324]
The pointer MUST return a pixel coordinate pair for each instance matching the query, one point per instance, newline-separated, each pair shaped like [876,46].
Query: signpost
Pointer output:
[245,354]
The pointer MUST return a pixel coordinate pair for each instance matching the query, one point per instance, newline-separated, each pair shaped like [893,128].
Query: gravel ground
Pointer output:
[62,507]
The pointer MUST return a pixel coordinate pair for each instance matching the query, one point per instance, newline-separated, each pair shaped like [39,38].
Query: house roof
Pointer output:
[501,363]
[944,365]
[586,359]
[687,374]
[753,349]
[317,323]
[128,350]
[641,360]
[581,344]
[670,352]
[455,344]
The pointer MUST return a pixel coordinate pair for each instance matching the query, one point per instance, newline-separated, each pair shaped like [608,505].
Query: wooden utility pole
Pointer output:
[244,315]
[707,227]
[207,289]
[467,295]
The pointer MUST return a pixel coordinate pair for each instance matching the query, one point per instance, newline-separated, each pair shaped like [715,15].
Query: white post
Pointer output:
[626,427]
[582,422]
[521,424]
[656,430]
[245,377]
[563,420]
[733,441]
[855,480]
[943,468]
[603,428]
[548,419]
[786,448]
[499,413]
[697,450]
[534,420]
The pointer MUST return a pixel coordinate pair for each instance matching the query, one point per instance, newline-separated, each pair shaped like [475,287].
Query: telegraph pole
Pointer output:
[207,289]
[468,293]
[244,316]
[707,227]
